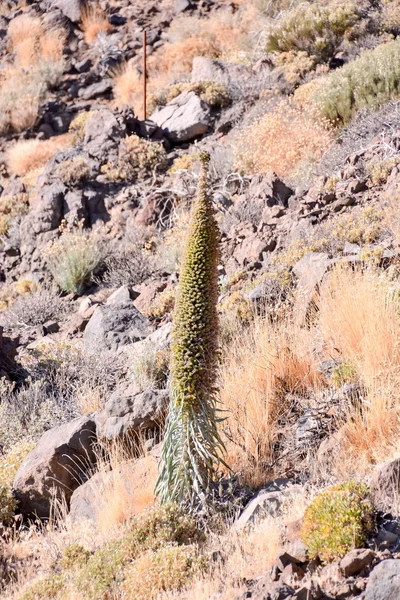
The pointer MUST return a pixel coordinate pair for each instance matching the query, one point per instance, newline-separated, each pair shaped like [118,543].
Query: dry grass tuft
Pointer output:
[31,40]
[27,155]
[263,366]
[93,22]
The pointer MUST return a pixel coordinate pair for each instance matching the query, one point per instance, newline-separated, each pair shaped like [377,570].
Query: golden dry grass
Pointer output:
[26,155]
[262,366]
[282,140]
[360,321]
[31,40]
[94,21]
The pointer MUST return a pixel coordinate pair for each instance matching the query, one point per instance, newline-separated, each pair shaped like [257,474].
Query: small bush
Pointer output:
[74,171]
[45,589]
[345,372]
[163,304]
[314,29]
[8,505]
[167,569]
[74,557]
[149,367]
[77,126]
[11,209]
[364,228]
[187,162]
[102,570]
[27,155]
[31,40]
[132,261]
[138,158]
[365,83]
[281,140]
[215,94]
[36,308]
[75,257]
[337,521]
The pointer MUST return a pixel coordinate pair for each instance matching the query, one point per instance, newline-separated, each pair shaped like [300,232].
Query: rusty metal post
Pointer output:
[144,76]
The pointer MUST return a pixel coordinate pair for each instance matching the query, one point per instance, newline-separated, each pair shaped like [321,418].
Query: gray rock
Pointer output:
[115,325]
[122,295]
[89,500]
[128,412]
[69,8]
[309,591]
[96,90]
[184,118]
[384,581]
[385,486]
[355,561]
[83,66]
[181,5]
[267,502]
[56,467]
[310,271]
[102,133]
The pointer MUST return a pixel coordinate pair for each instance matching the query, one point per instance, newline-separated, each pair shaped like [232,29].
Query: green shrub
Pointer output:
[74,258]
[137,159]
[8,504]
[317,30]
[215,94]
[192,446]
[337,521]
[73,171]
[169,568]
[365,83]
[74,557]
[102,571]
[344,373]
[47,588]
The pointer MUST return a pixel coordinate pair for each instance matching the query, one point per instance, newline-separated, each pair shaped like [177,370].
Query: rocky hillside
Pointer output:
[297,104]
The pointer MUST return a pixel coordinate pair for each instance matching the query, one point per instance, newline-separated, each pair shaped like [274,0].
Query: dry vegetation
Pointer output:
[93,22]
[28,155]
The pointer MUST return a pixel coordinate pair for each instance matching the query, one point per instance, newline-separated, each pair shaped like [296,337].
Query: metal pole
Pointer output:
[144,76]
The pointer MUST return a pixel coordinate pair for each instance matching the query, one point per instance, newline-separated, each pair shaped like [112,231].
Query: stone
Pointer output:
[96,90]
[102,133]
[292,574]
[128,412]
[69,8]
[56,467]
[181,5]
[122,294]
[284,560]
[272,190]
[115,325]
[128,481]
[267,590]
[184,118]
[356,560]
[386,539]
[310,271]
[83,66]
[351,248]
[385,486]
[267,502]
[252,249]
[384,581]
[309,591]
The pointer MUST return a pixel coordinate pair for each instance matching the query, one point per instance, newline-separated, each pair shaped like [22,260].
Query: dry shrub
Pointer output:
[94,21]
[26,155]
[262,367]
[282,140]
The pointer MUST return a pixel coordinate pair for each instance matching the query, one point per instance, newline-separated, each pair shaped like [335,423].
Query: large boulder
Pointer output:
[184,118]
[103,133]
[115,325]
[56,467]
[69,8]
[384,581]
[385,486]
[128,412]
[130,484]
